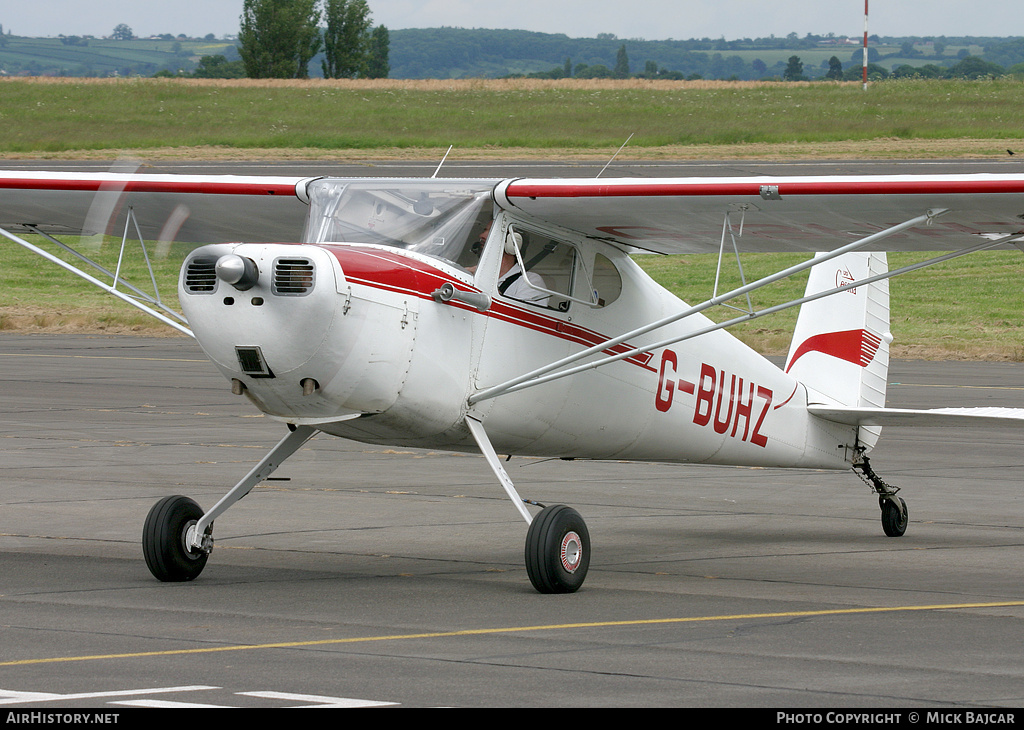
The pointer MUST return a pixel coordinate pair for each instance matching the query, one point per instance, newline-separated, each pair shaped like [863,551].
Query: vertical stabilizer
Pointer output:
[840,347]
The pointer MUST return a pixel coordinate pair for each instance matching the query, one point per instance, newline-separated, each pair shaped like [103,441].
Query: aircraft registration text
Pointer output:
[725,401]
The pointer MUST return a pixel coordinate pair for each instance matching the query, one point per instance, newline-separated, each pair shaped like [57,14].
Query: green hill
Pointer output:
[452,53]
[482,53]
[76,56]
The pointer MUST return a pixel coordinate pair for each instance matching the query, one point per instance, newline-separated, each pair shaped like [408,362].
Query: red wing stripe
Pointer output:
[834,186]
[202,184]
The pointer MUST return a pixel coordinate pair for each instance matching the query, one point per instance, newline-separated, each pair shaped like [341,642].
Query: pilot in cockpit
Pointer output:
[511,281]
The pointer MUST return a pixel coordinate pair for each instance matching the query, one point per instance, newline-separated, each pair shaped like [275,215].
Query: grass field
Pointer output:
[38,296]
[965,309]
[70,115]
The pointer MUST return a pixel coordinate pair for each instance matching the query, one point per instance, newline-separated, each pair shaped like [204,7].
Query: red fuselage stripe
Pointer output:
[401,274]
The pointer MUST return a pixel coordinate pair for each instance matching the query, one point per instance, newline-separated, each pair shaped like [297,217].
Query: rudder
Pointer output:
[840,347]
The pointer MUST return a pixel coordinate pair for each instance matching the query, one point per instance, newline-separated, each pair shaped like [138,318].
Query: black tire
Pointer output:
[557,550]
[163,540]
[894,524]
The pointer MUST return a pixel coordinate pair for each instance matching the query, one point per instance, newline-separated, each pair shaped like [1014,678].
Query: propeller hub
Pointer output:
[238,271]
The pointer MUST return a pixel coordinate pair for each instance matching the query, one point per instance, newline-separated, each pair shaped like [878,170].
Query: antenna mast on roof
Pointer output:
[615,155]
[442,161]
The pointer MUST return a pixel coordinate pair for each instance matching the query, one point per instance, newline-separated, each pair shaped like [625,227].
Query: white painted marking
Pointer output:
[10,697]
[321,700]
[165,704]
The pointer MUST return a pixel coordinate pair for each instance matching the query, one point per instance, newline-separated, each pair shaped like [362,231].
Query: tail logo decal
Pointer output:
[856,346]
[844,279]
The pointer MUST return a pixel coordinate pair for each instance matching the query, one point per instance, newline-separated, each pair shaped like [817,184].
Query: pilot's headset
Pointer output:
[513,241]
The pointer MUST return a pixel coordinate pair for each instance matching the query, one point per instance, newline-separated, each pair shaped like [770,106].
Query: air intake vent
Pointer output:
[293,277]
[250,360]
[201,275]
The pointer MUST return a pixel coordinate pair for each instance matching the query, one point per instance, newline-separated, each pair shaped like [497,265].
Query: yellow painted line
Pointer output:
[515,629]
[99,357]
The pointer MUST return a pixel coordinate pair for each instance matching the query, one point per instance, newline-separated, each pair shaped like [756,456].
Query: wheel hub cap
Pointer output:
[571,551]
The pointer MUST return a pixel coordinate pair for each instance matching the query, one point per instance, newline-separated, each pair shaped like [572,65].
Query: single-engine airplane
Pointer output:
[507,316]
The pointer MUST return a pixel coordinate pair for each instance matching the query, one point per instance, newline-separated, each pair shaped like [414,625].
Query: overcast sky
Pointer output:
[649,19]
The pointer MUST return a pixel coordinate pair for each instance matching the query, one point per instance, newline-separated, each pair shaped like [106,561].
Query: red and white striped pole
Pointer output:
[865,65]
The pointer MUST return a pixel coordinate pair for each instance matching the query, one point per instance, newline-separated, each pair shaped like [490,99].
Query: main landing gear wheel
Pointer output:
[894,522]
[164,540]
[557,550]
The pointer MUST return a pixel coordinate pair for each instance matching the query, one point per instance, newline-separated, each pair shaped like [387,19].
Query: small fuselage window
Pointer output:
[607,281]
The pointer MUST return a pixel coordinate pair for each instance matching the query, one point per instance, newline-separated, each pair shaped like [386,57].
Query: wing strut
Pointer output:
[534,377]
[756,315]
[177,322]
[727,228]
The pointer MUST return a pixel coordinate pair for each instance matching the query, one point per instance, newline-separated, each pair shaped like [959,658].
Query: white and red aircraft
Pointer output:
[507,316]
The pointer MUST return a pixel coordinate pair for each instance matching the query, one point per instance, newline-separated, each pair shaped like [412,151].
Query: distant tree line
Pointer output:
[336,38]
[458,52]
[285,39]
[968,67]
[279,39]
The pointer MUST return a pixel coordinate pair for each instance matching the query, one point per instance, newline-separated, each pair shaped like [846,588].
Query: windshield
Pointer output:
[440,218]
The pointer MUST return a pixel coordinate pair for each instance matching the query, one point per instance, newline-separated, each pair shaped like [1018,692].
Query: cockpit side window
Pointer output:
[550,271]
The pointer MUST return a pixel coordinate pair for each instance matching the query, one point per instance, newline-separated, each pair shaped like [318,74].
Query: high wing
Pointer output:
[191,208]
[662,215]
[687,215]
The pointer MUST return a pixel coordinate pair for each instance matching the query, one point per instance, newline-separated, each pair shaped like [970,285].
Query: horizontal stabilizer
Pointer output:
[937,417]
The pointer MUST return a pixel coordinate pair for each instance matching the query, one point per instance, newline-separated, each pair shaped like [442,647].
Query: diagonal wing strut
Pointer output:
[546,373]
[177,322]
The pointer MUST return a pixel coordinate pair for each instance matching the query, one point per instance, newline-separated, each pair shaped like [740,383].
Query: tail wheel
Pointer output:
[557,550]
[164,541]
[894,519]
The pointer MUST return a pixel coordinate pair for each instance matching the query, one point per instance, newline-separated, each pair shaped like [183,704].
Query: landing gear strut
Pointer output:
[894,510]
[557,542]
[178,536]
